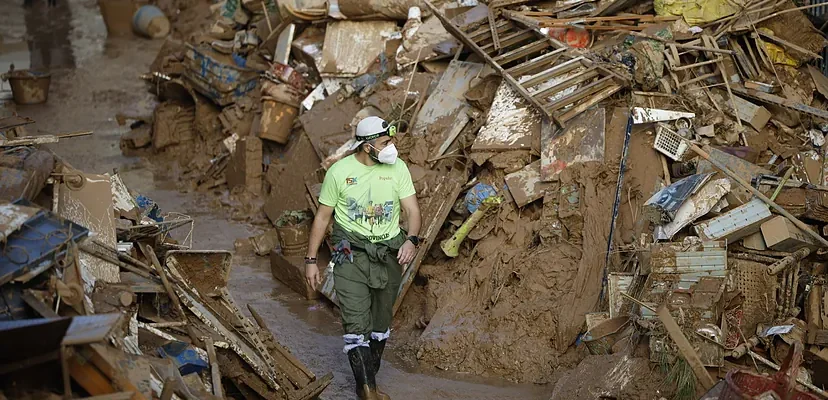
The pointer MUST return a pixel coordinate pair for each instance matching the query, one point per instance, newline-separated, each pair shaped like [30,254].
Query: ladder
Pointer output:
[535,66]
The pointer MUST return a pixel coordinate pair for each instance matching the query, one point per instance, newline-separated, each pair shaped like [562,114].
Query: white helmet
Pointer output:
[369,128]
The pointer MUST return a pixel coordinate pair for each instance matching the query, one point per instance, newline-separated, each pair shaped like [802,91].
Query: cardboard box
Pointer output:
[756,116]
[780,234]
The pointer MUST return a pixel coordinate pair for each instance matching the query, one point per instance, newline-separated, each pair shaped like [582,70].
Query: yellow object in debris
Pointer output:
[451,246]
[697,12]
[776,53]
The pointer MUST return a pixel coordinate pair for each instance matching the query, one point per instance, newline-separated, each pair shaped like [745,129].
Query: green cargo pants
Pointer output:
[367,287]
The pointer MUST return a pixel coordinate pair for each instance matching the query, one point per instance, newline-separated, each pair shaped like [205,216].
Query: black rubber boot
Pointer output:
[364,375]
[377,347]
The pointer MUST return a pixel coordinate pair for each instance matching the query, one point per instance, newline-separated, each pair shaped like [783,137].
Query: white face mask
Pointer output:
[388,155]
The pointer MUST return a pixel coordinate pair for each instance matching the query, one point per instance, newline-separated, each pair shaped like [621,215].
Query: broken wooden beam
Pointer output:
[685,348]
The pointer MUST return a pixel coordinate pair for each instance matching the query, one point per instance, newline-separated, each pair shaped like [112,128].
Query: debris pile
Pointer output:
[593,175]
[99,298]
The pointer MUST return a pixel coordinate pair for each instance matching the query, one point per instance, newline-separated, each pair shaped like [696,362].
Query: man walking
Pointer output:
[367,284]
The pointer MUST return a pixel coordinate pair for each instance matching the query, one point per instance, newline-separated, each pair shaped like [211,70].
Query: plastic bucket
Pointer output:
[573,37]
[30,87]
[277,120]
[117,16]
[151,22]
[294,232]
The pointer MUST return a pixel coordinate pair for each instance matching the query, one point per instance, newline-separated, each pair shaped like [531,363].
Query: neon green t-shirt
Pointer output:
[366,200]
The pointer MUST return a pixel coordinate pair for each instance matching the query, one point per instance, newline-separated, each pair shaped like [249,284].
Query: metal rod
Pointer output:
[617,203]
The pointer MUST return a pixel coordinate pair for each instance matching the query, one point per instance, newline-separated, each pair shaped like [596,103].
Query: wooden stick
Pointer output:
[93,252]
[215,373]
[666,170]
[74,134]
[782,183]
[150,254]
[173,324]
[727,85]
[778,13]
[680,45]
[639,302]
[799,224]
[685,348]
[267,18]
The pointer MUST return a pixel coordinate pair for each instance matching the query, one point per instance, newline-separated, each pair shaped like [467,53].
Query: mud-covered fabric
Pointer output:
[367,287]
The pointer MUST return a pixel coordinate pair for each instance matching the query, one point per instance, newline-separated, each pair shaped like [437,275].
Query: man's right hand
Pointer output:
[312,276]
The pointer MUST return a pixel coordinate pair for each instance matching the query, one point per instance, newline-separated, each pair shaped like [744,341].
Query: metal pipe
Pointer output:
[788,261]
[754,257]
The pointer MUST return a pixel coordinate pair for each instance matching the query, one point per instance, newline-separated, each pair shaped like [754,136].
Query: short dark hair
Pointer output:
[371,142]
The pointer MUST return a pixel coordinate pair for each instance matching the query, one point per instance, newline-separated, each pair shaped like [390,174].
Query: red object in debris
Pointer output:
[742,384]
[288,75]
[573,37]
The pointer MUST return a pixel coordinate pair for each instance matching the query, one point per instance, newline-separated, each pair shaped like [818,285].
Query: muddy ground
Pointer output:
[95,78]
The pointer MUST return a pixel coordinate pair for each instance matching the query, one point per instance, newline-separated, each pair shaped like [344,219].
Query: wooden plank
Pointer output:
[89,378]
[789,45]
[629,17]
[577,79]
[526,185]
[168,390]
[781,101]
[480,34]
[685,348]
[439,204]
[597,97]
[38,305]
[457,127]
[90,328]
[493,29]
[511,39]
[581,141]
[150,254]
[536,62]
[579,94]
[297,372]
[521,51]
[120,368]
[113,396]
[820,80]
[557,70]
[215,373]
[508,78]
[314,389]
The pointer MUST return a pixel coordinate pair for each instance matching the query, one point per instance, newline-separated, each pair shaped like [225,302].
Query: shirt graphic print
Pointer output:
[366,200]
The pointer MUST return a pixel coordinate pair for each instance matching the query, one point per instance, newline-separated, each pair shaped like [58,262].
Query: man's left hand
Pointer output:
[406,252]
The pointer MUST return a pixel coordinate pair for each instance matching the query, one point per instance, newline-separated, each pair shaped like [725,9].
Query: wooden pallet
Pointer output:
[536,66]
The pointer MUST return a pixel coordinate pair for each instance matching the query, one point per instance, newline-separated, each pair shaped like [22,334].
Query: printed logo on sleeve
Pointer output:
[350,181]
